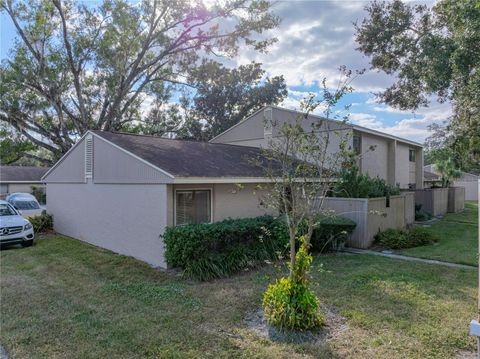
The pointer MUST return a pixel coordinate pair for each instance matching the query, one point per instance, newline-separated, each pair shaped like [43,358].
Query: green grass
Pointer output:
[65,299]
[457,235]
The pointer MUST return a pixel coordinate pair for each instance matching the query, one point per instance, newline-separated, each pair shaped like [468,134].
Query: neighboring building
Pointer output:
[20,178]
[398,161]
[120,191]
[468,180]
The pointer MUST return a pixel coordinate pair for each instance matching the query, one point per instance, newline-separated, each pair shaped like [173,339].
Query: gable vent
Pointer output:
[267,118]
[88,156]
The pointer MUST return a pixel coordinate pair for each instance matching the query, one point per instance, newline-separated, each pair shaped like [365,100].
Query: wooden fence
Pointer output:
[373,215]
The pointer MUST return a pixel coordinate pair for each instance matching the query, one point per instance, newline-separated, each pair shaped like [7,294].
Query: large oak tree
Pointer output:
[431,51]
[76,67]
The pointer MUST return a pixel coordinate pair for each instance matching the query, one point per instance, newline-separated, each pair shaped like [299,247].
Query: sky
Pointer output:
[314,39]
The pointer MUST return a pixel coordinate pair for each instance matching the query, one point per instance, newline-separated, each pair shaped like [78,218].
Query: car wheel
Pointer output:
[27,243]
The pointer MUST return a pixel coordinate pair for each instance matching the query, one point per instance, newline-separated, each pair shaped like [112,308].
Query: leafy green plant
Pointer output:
[448,171]
[214,250]
[399,239]
[353,184]
[420,214]
[42,223]
[290,303]
[39,194]
[330,232]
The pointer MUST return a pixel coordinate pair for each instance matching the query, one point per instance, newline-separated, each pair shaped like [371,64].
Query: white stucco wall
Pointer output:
[402,165]
[375,163]
[124,218]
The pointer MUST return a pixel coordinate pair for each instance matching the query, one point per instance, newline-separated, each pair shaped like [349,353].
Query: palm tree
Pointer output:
[448,171]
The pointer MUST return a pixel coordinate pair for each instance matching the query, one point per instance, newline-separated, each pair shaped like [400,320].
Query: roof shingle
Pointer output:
[183,158]
[22,173]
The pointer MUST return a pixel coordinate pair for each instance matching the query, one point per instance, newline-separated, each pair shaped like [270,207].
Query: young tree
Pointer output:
[432,51]
[76,67]
[307,154]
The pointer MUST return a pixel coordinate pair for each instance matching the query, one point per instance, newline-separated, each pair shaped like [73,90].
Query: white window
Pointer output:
[192,206]
[88,156]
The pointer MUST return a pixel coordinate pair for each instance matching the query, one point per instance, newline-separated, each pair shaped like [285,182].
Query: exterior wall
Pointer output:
[20,187]
[375,163]
[456,199]
[127,219]
[372,215]
[356,209]
[249,131]
[71,168]
[252,131]
[433,200]
[402,165]
[471,189]
[112,165]
[392,216]
[409,207]
[228,201]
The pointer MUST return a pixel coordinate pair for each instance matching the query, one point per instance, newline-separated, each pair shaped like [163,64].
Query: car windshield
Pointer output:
[6,210]
[25,205]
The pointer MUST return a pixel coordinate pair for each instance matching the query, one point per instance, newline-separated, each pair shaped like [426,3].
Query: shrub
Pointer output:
[420,237]
[399,239]
[42,223]
[420,214]
[39,194]
[353,184]
[331,233]
[289,303]
[207,251]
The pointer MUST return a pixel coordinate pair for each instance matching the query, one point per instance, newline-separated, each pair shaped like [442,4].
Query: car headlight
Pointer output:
[27,226]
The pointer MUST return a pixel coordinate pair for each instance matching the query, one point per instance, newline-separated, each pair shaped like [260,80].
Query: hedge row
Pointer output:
[214,250]
[399,239]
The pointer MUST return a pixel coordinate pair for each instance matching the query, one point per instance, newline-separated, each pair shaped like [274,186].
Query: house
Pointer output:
[119,191]
[467,180]
[398,161]
[20,178]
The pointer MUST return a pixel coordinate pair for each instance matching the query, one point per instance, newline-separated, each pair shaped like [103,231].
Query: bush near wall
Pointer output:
[42,223]
[215,250]
[400,239]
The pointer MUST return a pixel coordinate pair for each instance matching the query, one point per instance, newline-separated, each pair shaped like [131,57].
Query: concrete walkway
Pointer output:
[408,258]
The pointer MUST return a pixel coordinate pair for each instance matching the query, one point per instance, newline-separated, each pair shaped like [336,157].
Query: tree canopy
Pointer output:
[431,51]
[75,67]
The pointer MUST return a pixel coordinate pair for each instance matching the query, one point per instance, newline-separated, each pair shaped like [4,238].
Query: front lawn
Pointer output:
[65,299]
[457,235]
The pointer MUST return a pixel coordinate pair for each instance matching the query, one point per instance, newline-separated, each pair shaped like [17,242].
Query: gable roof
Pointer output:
[310,115]
[22,173]
[430,176]
[183,158]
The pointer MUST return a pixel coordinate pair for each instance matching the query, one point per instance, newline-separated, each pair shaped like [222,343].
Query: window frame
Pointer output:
[359,137]
[410,151]
[209,189]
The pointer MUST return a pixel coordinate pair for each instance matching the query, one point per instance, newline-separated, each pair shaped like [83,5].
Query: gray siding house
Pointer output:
[398,161]
[20,178]
[119,191]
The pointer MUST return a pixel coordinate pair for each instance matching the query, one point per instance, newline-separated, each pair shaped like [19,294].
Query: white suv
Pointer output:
[14,229]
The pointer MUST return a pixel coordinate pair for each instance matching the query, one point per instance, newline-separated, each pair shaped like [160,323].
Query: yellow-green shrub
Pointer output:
[289,303]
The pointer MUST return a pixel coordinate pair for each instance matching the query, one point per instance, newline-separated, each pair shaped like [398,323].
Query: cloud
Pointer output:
[314,39]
